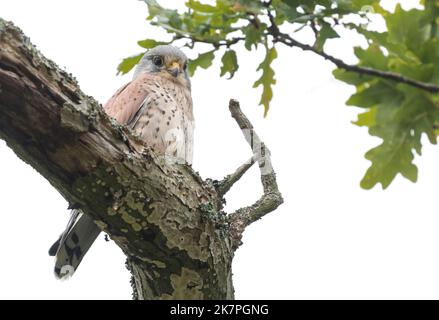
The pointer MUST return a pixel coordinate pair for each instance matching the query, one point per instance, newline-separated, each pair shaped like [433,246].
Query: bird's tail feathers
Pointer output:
[73,244]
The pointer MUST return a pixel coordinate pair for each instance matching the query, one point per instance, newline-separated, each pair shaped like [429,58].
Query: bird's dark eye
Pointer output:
[158,61]
[185,66]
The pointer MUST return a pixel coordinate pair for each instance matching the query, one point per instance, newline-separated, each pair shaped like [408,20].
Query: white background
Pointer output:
[330,239]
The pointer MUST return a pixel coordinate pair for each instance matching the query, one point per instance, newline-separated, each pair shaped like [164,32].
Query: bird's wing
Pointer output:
[125,104]
[189,126]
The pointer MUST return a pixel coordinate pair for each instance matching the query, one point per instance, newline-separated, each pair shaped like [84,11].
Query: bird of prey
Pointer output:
[157,106]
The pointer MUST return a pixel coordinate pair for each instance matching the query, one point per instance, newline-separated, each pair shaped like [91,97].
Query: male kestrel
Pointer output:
[157,106]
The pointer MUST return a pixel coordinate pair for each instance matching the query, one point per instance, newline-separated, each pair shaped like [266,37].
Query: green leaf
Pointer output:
[150,43]
[230,63]
[204,60]
[129,63]
[287,11]
[201,7]
[389,159]
[399,118]
[358,5]
[253,35]
[153,8]
[371,95]
[326,32]
[372,57]
[381,39]
[367,119]
[267,78]
[405,27]
[349,77]
[248,6]
[397,113]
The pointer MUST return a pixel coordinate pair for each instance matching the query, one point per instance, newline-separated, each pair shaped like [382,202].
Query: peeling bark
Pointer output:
[167,220]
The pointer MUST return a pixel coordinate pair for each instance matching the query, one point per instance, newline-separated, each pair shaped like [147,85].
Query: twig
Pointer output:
[271,198]
[289,41]
[314,29]
[227,183]
[278,36]
[216,43]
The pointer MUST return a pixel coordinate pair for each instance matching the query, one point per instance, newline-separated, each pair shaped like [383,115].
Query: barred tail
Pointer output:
[73,244]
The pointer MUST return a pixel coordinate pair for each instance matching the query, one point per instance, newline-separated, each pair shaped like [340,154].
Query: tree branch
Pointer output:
[164,217]
[291,42]
[286,39]
[216,43]
[271,197]
[227,183]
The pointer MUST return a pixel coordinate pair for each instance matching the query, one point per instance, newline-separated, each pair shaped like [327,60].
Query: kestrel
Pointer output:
[157,106]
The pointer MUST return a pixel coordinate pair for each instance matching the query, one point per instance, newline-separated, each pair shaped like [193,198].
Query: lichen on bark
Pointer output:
[167,220]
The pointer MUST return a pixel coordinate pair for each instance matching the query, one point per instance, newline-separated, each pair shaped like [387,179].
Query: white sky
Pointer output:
[330,240]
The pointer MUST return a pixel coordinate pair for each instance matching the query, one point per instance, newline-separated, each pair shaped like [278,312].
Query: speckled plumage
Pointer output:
[160,111]
[157,106]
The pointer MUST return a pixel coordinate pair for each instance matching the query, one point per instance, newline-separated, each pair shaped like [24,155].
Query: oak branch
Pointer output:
[168,221]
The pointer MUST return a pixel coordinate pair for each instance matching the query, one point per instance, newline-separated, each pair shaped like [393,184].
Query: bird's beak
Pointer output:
[174,69]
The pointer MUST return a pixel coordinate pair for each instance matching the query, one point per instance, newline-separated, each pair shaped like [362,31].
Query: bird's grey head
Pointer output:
[165,59]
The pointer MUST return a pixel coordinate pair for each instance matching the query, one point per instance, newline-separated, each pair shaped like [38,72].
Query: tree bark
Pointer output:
[167,220]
